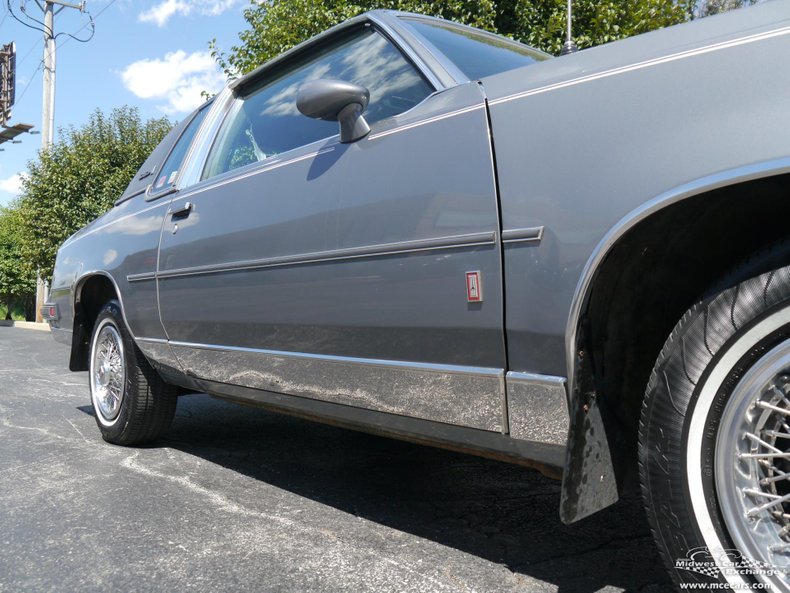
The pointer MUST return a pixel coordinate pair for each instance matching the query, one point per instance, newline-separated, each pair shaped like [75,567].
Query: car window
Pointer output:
[476,54]
[169,171]
[266,122]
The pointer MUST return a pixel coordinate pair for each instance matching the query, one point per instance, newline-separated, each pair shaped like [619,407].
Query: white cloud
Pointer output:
[11,185]
[161,13]
[178,78]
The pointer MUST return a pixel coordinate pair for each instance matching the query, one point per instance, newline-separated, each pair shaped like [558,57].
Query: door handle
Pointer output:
[182,212]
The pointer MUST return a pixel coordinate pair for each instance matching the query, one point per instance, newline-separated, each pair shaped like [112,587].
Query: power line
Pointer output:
[33,47]
[23,8]
[43,28]
[27,55]
[20,21]
[91,23]
[30,80]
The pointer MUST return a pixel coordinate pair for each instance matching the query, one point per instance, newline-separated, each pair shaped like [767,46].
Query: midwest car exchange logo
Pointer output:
[728,563]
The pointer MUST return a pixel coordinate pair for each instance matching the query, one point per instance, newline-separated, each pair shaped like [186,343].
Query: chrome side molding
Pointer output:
[141,277]
[449,242]
[529,407]
[158,352]
[528,235]
[537,408]
[459,395]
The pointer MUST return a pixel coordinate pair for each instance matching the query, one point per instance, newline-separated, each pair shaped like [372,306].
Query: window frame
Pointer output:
[152,193]
[242,87]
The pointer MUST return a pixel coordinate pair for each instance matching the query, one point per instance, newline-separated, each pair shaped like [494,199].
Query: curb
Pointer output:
[25,325]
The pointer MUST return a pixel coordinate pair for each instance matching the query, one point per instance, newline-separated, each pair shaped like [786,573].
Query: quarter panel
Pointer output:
[586,139]
[121,243]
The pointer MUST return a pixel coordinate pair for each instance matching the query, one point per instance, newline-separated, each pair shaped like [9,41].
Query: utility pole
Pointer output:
[48,107]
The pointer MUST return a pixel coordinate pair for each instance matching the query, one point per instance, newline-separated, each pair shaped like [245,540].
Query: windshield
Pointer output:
[477,54]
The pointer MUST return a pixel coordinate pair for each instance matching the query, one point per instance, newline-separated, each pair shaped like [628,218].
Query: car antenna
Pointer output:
[569,46]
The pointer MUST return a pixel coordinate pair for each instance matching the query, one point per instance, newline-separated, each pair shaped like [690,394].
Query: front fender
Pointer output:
[593,471]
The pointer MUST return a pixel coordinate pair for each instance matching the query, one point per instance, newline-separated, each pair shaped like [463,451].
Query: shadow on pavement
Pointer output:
[502,513]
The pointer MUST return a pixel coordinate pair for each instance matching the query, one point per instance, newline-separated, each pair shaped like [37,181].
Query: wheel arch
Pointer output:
[91,291]
[689,238]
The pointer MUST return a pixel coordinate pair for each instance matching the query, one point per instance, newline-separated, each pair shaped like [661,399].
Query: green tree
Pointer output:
[79,178]
[17,282]
[710,7]
[277,25]
[542,23]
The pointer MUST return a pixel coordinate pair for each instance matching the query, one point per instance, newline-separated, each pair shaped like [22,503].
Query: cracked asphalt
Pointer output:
[240,499]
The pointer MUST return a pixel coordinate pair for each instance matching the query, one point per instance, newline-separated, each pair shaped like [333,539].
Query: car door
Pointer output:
[366,274]
[138,235]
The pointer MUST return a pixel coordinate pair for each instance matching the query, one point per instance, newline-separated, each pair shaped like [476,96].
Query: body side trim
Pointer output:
[534,234]
[451,394]
[537,407]
[547,458]
[550,380]
[375,362]
[153,340]
[141,277]
[159,354]
[450,242]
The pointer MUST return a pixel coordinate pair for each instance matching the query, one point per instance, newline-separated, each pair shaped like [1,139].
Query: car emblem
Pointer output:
[474,287]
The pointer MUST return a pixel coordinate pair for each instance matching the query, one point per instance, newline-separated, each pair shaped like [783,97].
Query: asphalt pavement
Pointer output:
[240,499]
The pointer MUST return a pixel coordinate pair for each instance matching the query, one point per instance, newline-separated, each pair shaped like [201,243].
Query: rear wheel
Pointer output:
[714,439]
[131,402]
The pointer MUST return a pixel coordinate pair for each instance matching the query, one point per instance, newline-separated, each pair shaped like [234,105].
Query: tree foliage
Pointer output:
[17,282]
[542,23]
[79,178]
[278,25]
[710,7]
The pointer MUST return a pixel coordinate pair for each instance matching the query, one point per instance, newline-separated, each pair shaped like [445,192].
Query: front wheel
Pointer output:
[131,402]
[714,439]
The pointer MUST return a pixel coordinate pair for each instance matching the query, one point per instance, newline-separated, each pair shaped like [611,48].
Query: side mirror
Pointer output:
[336,100]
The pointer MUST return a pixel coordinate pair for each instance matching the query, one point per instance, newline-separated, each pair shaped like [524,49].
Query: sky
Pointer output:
[150,54]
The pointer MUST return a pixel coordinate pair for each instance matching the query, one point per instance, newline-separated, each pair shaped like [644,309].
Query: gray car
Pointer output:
[429,232]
